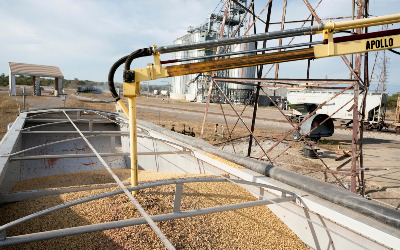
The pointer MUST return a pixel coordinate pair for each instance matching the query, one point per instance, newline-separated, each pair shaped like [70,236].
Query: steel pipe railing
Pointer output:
[241,39]
[332,26]
[241,52]
[360,23]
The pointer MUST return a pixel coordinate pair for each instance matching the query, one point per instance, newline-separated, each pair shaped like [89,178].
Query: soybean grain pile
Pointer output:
[251,228]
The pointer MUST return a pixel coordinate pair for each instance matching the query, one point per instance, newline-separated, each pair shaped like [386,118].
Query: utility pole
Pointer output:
[148,89]
[168,86]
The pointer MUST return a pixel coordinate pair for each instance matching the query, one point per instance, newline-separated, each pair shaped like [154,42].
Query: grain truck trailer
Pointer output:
[375,106]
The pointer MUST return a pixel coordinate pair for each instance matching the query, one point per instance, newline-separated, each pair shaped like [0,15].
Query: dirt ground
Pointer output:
[380,150]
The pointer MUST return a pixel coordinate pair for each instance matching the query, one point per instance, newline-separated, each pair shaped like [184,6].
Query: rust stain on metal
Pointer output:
[76,149]
[50,163]
[90,163]
[85,148]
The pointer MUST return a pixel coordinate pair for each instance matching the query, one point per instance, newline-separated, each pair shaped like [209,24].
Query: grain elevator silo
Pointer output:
[187,86]
[195,86]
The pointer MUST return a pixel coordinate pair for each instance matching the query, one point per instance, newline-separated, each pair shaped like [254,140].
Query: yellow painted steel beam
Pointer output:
[152,72]
[123,107]
[357,46]
[360,23]
[131,90]
[239,62]
[133,141]
[156,71]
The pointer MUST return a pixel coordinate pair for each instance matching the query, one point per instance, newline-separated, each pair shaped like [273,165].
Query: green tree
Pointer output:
[23,80]
[392,101]
[3,80]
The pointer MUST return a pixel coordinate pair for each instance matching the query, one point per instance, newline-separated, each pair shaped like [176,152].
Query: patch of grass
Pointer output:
[328,142]
[9,110]
[296,145]
[332,144]
[91,105]
[90,95]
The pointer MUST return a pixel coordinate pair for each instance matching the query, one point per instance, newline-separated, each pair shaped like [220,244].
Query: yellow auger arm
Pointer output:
[330,46]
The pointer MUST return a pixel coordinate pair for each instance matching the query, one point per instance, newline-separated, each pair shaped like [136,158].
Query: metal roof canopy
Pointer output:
[35,70]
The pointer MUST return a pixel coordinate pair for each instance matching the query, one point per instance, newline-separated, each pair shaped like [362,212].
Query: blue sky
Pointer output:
[85,37]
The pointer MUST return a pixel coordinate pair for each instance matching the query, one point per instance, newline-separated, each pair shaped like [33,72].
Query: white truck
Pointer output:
[375,106]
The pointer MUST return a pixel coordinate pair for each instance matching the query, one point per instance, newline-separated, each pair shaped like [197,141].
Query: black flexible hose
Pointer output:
[136,54]
[111,77]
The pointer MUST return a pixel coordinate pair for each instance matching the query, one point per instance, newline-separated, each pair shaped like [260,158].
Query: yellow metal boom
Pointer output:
[332,47]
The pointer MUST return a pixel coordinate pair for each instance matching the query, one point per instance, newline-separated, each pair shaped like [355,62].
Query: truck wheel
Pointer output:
[295,135]
[316,139]
[379,128]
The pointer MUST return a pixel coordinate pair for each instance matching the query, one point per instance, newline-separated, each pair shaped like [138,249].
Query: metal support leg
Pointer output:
[2,234]
[261,196]
[56,88]
[364,103]
[178,197]
[112,144]
[123,107]
[253,121]
[133,141]
[91,125]
[354,141]
[206,109]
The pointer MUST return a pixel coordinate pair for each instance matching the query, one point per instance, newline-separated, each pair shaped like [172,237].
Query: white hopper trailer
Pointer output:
[322,215]
[375,105]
